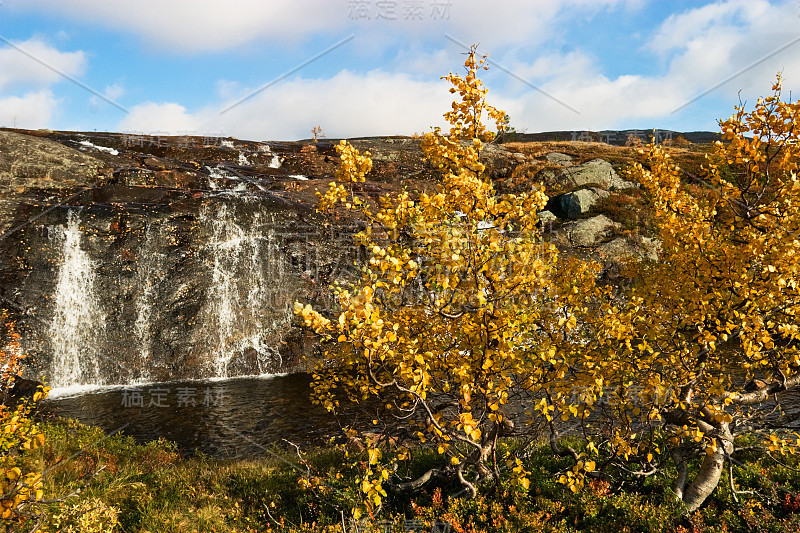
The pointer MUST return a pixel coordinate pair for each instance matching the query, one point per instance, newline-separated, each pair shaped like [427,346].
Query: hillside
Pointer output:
[196,247]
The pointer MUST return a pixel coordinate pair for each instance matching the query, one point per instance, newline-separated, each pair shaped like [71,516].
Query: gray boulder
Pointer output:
[559,159]
[579,202]
[621,249]
[617,183]
[595,172]
[591,231]
[546,217]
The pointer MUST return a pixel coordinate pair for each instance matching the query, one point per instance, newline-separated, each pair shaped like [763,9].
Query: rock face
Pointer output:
[131,258]
[140,258]
[33,162]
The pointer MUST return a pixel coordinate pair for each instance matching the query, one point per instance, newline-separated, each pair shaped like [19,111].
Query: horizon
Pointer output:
[367,68]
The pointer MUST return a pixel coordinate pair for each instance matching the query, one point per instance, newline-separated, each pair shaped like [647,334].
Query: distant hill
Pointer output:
[614,137]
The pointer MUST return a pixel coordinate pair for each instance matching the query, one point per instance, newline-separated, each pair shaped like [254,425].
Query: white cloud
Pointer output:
[717,42]
[160,118]
[32,110]
[28,70]
[346,105]
[198,25]
[698,47]
[19,67]
[111,92]
[211,25]
[702,47]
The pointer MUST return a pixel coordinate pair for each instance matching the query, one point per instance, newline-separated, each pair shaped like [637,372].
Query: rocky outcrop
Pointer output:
[179,257]
[28,162]
[558,159]
[595,172]
[579,202]
[185,254]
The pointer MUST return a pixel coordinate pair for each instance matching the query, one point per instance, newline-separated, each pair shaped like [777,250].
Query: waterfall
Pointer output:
[246,305]
[173,301]
[78,320]
[148,266]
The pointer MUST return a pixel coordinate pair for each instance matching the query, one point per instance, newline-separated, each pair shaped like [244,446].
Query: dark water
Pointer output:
[243,417]
[237,417]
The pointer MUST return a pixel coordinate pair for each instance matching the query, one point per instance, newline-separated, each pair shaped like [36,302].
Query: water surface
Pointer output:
[236,417]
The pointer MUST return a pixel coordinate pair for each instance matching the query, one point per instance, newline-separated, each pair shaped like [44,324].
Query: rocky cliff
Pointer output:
[132,258]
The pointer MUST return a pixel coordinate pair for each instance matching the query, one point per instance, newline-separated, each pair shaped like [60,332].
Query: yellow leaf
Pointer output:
[374,455]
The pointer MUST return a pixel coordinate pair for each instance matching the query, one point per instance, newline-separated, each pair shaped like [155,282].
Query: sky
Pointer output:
[274,69]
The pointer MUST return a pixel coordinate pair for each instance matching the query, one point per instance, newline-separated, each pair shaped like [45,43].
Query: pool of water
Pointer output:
[237,417]
[243,417]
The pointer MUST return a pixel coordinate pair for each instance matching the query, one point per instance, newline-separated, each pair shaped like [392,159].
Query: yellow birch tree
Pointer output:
[464,318]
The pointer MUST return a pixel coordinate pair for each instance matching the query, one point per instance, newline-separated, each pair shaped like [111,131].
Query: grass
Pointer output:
[99,483]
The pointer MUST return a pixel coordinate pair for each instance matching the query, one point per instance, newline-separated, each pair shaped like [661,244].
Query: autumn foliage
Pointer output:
[20,486]
[463,313]
[469,334]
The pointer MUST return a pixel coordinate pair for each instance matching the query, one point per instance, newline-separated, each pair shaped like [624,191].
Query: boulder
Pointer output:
[22,389]
[579,202]
[617,183]
[559,159]
[591,231]
[616,252]
[595,172]
[546,217]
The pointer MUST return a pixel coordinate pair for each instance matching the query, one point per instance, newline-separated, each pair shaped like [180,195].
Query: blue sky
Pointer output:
[373,67]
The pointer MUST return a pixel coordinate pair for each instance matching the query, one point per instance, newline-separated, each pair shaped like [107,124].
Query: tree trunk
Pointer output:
[710,471]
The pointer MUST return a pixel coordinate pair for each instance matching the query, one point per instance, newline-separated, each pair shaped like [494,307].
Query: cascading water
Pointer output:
[150,263]
[159,296]
[246,306]
[78,319]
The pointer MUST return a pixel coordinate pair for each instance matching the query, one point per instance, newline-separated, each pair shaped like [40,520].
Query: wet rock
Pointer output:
[22,389]
[243,363]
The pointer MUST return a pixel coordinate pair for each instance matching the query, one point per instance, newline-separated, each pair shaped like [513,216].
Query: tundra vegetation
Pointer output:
[472,341]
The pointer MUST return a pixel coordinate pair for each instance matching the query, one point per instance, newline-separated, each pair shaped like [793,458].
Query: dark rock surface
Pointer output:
[134,258]
[130,258]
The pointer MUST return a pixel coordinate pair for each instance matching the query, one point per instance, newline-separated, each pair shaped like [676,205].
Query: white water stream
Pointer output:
[78,320]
